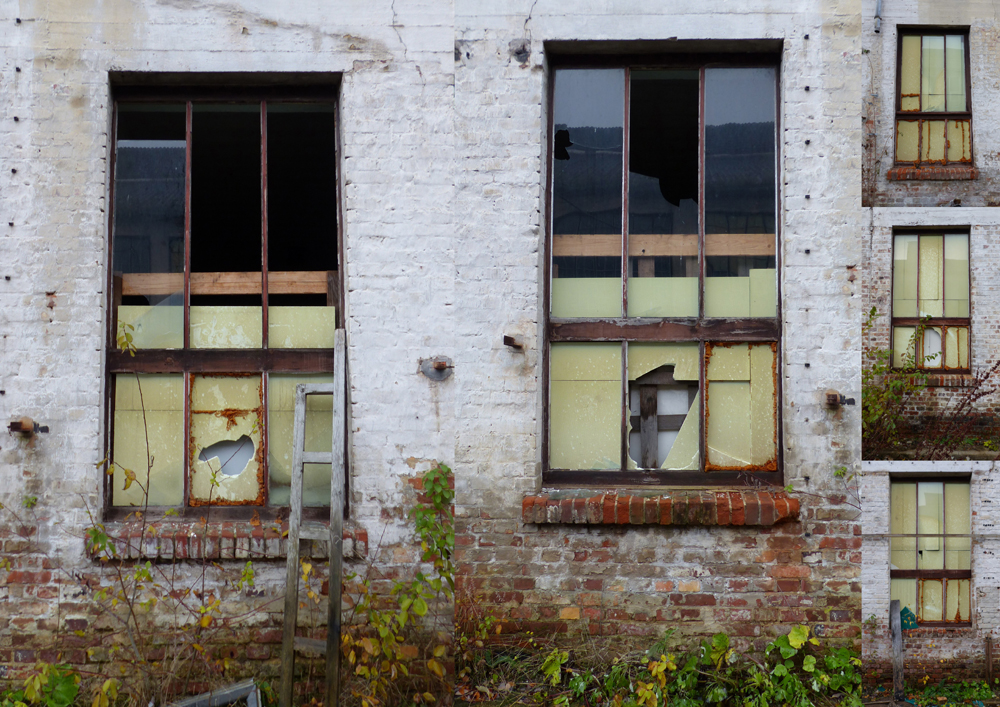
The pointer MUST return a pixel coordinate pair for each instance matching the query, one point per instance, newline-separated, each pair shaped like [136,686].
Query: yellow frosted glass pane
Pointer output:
[301,327]
[662,296]
[280,431]
[763,445]
[904,276]
[958,596]
[727,296]
[159,327]
[958,553]
[930,600]
[963,348]
[909,73]
[932,74]
[934,145]
[951,348]
[763,293]
[585,406]
[930,508]
[727,424]
[957,508]
[902,346]
[643,358]
[586,297]
[226,409]
[930,552]
[903,509]
[579,362]
[903,553]
[906,591]
[729,363]
[955,67]
[162,399]
[956,275]
[959,141]
[906,141]
[585,424]
[931,269]
[684,452]
[225,327]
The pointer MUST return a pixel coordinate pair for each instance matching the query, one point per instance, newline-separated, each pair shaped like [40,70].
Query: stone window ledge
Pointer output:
[933,172]
[172,540]
[682,508]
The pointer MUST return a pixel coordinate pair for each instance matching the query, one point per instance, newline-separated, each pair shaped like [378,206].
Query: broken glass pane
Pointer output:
[226,409]
[149,407]
[148,258]
[280,438]
[667,375]
[226,226]
[740,416]
[589,114]
[740,274]
[663,194]
[585,406]
[301,225]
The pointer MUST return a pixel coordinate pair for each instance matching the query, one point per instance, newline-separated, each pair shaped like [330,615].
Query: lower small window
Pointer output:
[931,552]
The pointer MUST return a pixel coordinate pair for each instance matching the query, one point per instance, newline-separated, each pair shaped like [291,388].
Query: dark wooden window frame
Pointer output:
[187,361]
[931,31]
[944,574]
[943,322]
[701,330]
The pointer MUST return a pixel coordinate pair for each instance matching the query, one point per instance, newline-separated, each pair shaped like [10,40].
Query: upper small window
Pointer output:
[933,104]
[930,301]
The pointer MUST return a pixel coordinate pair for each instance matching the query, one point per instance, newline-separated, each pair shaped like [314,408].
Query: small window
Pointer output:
[224,273]
[930,301]
[930,551]
[663,317]
[933,103]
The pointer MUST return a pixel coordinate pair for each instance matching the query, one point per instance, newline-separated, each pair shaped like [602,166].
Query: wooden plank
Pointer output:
[657,244]
[305,282]
[989,661]
[896,633]
[603,478]
[632,329]
[664,423]
[310,645]
[222,361]
[647,427]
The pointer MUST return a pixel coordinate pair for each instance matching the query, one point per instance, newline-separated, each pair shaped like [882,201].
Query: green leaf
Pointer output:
[798,636]
[809,663]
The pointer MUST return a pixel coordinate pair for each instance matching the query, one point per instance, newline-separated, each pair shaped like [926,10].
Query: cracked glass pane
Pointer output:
[280,431]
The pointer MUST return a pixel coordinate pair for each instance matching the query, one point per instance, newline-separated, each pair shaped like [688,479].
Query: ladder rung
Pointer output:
[314,531]
[310,645]
[317,458]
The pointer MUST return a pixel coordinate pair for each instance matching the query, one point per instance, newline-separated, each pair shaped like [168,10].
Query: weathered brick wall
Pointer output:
[956,652]
[593,579]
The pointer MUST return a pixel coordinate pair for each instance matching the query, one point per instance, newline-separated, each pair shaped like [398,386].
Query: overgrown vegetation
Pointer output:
[890,399]
[795,670]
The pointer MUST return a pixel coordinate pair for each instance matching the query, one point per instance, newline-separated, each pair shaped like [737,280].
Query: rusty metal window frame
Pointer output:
[704,331]
[190,362]
[942,322]
[943,574]
[920,116]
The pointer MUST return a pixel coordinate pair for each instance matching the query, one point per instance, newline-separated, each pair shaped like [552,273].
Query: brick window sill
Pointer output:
[933,172]
[949,380]
[173,540]
[681,508]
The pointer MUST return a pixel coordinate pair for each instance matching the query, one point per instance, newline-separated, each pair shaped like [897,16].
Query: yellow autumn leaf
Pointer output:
[436,667]
[129,477]
[428,697]
[439,651]
[206,621]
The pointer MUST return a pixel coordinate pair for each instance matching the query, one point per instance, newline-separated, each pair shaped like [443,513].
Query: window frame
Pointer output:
[701,330]
[895,321]
[923,31]
[944,574]
[187,361]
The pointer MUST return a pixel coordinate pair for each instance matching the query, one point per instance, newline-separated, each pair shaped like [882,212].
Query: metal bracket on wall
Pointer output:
[437,368]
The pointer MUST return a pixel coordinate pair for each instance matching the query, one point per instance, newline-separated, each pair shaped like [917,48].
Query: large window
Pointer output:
[933,102]
[663,323]
[225,281]
[931,550]
[930,301]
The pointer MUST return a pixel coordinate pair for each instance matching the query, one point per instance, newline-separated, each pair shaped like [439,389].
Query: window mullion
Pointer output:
[625,407]
[625,167]
[263,222]
[701,195]
[189,132]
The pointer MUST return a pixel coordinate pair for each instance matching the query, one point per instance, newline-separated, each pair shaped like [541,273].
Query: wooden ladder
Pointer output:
[297,530]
